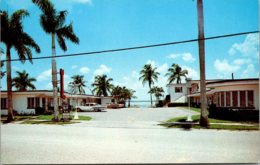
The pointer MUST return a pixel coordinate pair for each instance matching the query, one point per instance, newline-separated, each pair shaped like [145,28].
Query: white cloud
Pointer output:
[185,56]
[45,75]
[74,66]
[135,74]
[188,57]
[84,70]
[224,66]
[192,73]
[163,68]
[151,62]
[103,69]
[173,56]
[249,72]
[250,46]
[241,61]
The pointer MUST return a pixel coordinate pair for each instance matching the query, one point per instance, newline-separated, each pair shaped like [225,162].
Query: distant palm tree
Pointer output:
[149,74]
[102,85]
[130,95]
[13,36]
[53,23]
[78,84]
[2,73]
[175,72]
[121,94]
[23,82]
[157,91]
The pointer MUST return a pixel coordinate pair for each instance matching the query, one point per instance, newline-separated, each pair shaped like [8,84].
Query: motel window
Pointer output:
[30,103]
[250,96]
[178,89]
[43,102]
[222,99]
[37,102]
[242,98]
[3,103]
[228,99]
[234,99]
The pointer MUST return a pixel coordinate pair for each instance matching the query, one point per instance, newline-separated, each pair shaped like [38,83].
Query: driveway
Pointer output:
[133,117]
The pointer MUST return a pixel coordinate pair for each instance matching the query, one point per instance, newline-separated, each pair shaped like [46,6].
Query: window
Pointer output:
[234,99]
[43,102]
[30,103]
[222,99]
[228,99]
[178,89]
[37,102]
[4,103]
[242,98]
[250,96]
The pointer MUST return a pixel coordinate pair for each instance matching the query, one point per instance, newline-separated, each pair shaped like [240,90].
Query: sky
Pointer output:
[112,24]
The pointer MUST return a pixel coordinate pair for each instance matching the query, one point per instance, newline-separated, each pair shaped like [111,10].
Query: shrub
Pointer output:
[177,104]
[39,111]
[226,113]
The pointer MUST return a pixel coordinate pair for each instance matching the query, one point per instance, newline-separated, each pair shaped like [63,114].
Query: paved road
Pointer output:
[133,117]
[80,143]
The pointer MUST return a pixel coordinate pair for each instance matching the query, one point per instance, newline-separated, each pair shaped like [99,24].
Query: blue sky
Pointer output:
[110,24]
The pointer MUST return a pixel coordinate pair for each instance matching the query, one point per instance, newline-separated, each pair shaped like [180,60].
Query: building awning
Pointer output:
[211,92]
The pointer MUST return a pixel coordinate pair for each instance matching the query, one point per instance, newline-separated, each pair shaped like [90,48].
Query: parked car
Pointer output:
[90,107]
[115,106]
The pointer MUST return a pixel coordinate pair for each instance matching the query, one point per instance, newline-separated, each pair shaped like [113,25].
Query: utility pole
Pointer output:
[203,98]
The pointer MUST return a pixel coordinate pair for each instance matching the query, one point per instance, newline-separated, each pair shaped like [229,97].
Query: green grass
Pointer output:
[192,108]
[195,118]
[47,122]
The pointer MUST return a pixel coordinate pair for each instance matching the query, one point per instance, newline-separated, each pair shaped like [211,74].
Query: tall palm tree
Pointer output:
[13,36]
[78,84]
[175,72]
[102,85]
[53,23]
[203,99]
[23,82]
[149,74]
[157,91]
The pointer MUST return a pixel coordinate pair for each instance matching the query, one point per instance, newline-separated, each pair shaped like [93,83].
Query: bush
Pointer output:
[226,113]
[39,111]
[177,104]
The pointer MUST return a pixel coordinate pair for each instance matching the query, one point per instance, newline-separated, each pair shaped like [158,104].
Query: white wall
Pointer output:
[106,100]
[175,96]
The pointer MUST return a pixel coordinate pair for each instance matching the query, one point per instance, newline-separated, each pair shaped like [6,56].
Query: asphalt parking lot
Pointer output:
[133,117]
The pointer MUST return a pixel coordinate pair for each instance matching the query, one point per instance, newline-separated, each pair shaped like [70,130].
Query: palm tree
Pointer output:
[116,93]
[23,82]
[149,74]
[13,36]
[157,91]
[130,95]
[52,23]
[78,84]
[2,74]
[204,116]
[175,72]
[102,85]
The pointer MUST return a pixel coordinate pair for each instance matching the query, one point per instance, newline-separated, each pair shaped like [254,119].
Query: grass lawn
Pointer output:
[229,126]
[44,119]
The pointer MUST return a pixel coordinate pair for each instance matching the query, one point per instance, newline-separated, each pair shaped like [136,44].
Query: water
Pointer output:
[140,104]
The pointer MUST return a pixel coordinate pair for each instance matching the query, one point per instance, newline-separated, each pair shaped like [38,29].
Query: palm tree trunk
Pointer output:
[9,85]
[129,103]
[203,99]
[151,97]
[54,80]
